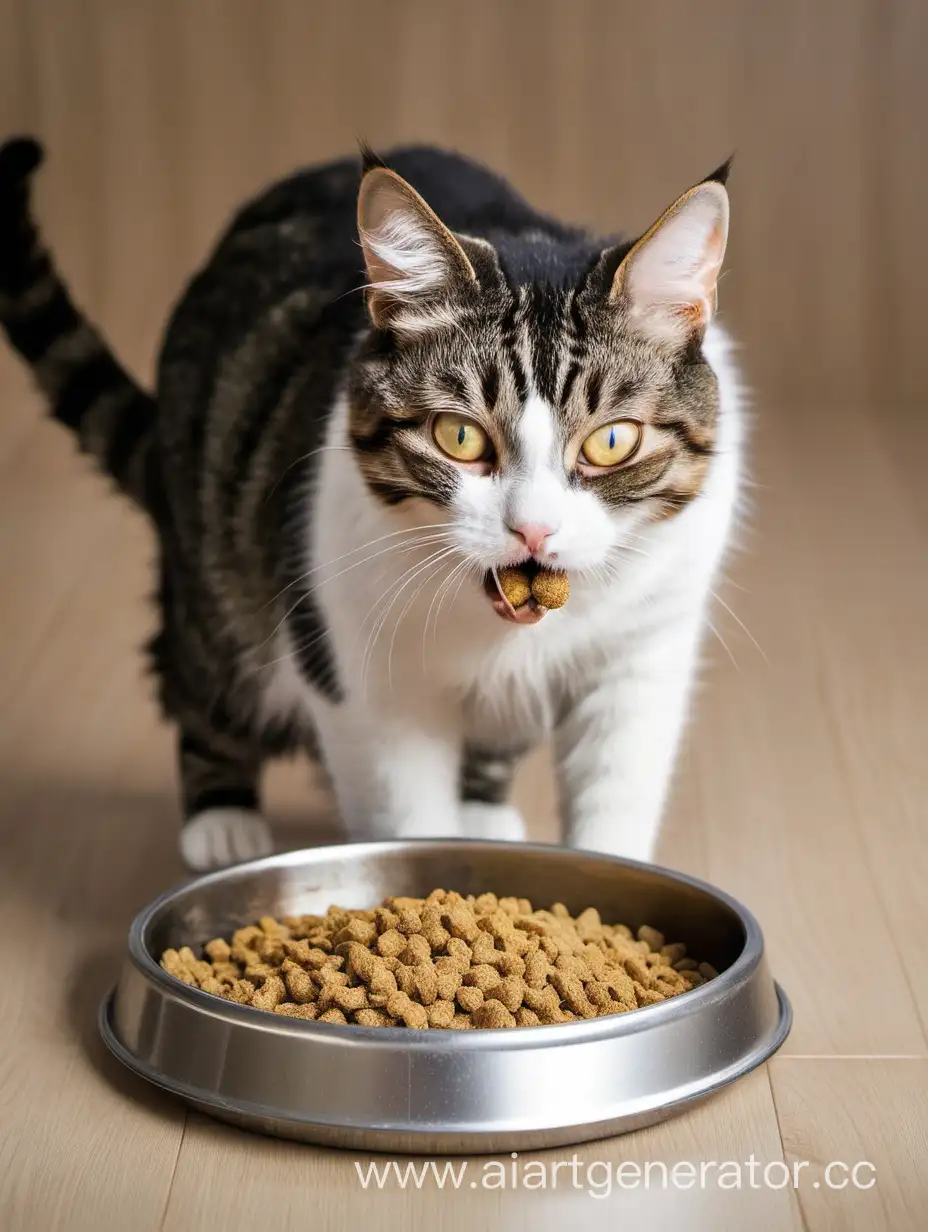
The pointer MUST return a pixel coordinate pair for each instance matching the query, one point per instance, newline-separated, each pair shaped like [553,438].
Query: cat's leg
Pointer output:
[394,776]
[486,779]
[222,823]
[616,744]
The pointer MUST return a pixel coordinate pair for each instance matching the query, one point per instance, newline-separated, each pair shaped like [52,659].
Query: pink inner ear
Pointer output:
[674,271]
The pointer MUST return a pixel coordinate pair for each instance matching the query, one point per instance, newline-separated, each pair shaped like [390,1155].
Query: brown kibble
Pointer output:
[441,1014]
[391,943]
[417,950]
[300,985]
[460,953]
[289,1010]
[484,951]
[460,922]
[550,588]
[409,922]
[374,1018]
[270,994]
[482,976]
[515,585]
[446,961]
[672,954]
[356,930]
[333,1015]
[218,950]
[509,991]
[350,999]
[469,998]
[401,1006]
[654,940]
[492,1014]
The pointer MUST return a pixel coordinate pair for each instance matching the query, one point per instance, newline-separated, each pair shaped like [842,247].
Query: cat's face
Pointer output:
[547,422]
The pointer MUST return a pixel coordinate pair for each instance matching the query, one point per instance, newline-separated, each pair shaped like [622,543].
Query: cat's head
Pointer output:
[550,397]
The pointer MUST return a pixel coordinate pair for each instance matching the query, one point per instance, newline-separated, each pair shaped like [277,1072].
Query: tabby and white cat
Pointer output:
[390,380]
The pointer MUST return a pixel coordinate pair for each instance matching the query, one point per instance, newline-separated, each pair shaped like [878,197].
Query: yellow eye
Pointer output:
[460,439]
[612,444]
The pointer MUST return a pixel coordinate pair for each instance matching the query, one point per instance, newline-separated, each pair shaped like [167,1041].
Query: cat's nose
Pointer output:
[533,534]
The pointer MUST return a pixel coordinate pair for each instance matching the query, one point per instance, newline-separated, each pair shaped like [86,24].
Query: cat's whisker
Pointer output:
[739,621]
[354,551]
[356,564]
[304,458]
[396,586]
[435,568]
[725,645]
[440,595]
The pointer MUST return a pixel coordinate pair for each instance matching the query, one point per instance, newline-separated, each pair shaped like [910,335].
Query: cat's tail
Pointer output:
[88,390]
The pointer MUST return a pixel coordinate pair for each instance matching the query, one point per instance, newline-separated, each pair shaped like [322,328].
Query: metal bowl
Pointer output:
[442,1092]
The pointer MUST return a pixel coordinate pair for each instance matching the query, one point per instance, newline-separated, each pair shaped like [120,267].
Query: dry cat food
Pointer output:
[548,587]
[442,961]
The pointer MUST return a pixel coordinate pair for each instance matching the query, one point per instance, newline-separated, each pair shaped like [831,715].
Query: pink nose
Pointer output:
[533,534]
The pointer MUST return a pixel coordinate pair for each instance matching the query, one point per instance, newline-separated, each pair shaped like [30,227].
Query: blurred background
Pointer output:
[161,115]
[803,783]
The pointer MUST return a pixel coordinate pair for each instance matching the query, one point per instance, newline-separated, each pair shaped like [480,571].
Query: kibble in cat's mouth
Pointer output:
[524,593]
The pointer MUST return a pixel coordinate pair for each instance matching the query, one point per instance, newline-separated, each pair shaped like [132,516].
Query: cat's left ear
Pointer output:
[409,253]
[667,283]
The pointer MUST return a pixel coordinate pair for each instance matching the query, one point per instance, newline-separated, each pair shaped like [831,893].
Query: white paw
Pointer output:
[498,822]
[219,837]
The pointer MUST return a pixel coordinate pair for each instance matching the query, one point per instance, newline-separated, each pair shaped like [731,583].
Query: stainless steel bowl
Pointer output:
[441,1092]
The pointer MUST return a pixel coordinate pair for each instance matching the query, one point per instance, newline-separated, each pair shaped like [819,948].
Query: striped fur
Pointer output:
[289,444]
[88,391]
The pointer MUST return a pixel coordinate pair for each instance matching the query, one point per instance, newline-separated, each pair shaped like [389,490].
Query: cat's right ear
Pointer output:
[409,253]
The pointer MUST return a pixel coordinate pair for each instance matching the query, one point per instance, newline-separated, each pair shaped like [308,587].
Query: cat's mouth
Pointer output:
[528,612]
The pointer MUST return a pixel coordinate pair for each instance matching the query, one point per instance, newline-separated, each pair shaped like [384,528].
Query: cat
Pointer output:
[392,378]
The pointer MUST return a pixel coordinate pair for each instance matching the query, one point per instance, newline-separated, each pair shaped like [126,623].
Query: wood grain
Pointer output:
[855,1114]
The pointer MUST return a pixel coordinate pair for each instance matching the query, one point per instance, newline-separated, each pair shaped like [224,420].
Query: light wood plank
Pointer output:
[226,1178]
[856,1113]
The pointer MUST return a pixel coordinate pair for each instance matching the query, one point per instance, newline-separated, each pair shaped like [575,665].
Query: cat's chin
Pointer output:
[528,613]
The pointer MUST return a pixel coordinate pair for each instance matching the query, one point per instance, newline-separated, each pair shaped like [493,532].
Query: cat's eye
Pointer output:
[612,444]
[461,438]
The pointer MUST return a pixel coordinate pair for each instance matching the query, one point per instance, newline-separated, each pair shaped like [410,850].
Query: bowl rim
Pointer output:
[697,1000]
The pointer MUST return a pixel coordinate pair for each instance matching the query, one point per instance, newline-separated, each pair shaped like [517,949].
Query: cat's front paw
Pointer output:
[219,837]
[497,822]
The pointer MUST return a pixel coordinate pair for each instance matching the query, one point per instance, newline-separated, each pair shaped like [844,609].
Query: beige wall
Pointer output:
[159,115]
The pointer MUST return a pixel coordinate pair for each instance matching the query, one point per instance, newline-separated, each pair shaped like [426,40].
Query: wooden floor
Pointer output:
[803,792]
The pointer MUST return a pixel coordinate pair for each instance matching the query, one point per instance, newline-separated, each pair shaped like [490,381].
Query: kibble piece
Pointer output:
[391,944]
[289,1010]
[550,588]
[509,992]
[469,998]
[218,950]
[333,1015]
[270,994]
[401,1006]
[461,1022]
[515,585]
[417,951]
[374,1018]
[299,985]
[482,976]
[356,930]
[526,1017]
[653,939]
[707,971]
[441,1014]
[492,1014]
[350,999]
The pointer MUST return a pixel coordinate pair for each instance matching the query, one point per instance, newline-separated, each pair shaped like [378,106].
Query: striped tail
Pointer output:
[89,392]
